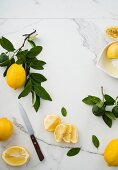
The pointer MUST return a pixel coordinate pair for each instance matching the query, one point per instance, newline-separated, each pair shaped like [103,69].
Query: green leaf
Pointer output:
[100,104]
[37,103]
[34,51]
[33,97]
[4,60]
[6,44]
[110,115]
[41,92]
[38,77]
[91,100]
[27,89]
[107,120]
[115,111]
[36,65]
[64,111]
[98,111]
[32,43]
[109,100]
[73,151]
[95,141]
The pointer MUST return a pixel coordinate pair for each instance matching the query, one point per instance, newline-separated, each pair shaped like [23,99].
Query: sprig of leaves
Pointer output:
[99,107]
[28,59]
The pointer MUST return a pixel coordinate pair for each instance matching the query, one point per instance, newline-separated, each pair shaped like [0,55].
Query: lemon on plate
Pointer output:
[112,51]
[16,76]
[67,135]
[111,153]
[59,132]
[15,156]
[6,129]
[74,134]
[51,121]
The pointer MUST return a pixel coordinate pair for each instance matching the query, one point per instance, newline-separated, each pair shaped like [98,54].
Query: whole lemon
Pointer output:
[112,51]
[16,76]
[6,129]
[111,153]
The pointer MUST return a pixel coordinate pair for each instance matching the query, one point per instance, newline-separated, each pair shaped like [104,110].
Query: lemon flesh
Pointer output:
[74,134]
[59,132]
[15,156]
[16,76]
[6,129]
[112,51]
[67,135]
[51,121]
[111,153]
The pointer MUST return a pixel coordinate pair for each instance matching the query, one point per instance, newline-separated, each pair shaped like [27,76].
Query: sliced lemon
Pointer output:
[112,31]
[59,132]
[51,121]
[67,135]
[74,134]
[15,156]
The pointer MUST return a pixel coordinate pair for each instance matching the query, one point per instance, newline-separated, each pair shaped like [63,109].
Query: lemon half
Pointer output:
[15,156]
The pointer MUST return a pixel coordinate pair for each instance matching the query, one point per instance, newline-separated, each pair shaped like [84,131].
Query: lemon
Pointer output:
[6,129]
[67,135]
[16,76]
[112,31]
[15,156]
[111,153]
[51,121]
[59,132]
[112,51]
[74,134]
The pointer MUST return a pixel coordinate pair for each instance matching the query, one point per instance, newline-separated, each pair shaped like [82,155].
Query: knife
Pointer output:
[31,132]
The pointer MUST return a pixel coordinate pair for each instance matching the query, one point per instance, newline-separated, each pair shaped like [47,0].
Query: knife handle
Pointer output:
[37,148]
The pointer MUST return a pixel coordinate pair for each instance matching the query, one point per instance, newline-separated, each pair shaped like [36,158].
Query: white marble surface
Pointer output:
[72,40]
[58,8]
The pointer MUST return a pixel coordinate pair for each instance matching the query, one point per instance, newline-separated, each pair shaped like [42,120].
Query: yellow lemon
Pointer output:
[74,134]
[6,129]
[67,135]
[112,51]
[111,153]
[16,76]
[51,121]
[59,132]
[15,156]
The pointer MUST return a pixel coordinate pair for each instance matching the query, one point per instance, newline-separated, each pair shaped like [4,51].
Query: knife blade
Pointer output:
[31,132]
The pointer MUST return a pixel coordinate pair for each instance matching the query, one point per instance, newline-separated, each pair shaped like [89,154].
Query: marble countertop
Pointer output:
[72,35]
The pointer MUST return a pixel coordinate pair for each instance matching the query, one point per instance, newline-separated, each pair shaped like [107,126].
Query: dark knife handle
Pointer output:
[37,148]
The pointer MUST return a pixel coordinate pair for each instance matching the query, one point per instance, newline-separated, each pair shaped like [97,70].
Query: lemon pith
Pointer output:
[16,76]
[15,156]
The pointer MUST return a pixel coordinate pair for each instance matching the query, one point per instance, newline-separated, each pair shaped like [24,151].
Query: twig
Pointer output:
[26,37]
[102,92]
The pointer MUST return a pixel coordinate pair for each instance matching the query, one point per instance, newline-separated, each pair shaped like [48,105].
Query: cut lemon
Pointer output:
[59,132]
[51,121]
[74,134]
[15,156]
[67,135]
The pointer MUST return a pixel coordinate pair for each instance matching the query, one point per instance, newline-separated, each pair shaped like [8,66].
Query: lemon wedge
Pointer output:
[74,134]
[51,121]
[59,132]
[67,135]
[15,156]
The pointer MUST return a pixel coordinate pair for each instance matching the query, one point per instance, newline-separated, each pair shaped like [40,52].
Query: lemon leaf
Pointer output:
[95,141]
[27,89]
[37,103]
[34,51]
[107,120]
[64,111]
[73,151]
[38,77]
[41,92]
[6,44]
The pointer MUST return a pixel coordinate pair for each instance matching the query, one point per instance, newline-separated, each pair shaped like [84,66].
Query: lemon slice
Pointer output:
[15,156]
[67,135]
[112,31]
[51,121]
[59,132]
[74,134]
